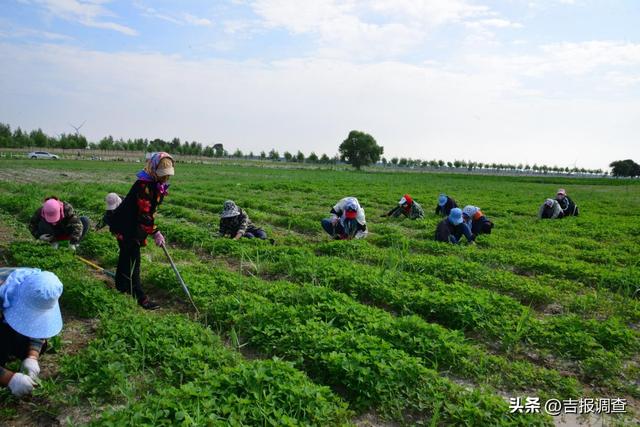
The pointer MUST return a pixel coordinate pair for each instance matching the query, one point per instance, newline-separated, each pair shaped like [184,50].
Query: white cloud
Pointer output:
[376,29]
[86,12]
[422,111]
[431,12]
[180,18]
[194,20]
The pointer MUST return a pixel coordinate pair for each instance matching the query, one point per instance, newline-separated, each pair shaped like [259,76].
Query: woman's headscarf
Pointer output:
[155,163]
[158,161]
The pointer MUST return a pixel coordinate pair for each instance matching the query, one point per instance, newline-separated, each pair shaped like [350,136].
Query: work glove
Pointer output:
[46,238]
[21,384]
[158,238]
[31,367]
[73,246]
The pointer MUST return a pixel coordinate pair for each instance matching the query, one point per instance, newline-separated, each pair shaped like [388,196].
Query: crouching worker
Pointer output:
[445,204]
[452,228]
[29,314]
[56,221]
[407,207]
[568,206]
[476,220]
[550,209]
[112,201]
[235,223]
[347,220]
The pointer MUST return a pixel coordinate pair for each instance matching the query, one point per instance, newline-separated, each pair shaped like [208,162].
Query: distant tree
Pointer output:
[625,168]
[237,154]
[360,149]
[449,164]
[394,161]
[300,157]
[403,162]
[263,155]
[325,159]
[313,158]
[440,163]
[274,155]
[251,154]
[208,151]
[287,156]
[218,149]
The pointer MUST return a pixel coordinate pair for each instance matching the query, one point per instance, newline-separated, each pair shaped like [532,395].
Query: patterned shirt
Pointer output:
[236,224]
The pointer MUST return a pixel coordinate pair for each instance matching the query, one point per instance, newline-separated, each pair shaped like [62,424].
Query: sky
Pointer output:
[553,82]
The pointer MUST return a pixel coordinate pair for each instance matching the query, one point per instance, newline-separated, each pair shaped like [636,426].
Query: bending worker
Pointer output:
[29,314]
[407,207]
[235,223]
[56,221]
[452,228]
[445,204]
[347,220]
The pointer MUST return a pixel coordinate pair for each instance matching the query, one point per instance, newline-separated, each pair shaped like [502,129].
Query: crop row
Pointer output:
[437,347]
[368,371]
[454,305]
[536,291]
[168,370]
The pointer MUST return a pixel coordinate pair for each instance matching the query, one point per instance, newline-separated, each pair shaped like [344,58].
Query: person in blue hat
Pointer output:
[445,204]
[452,228]
[29,315]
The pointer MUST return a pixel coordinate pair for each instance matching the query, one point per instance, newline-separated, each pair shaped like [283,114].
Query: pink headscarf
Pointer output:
[52,210]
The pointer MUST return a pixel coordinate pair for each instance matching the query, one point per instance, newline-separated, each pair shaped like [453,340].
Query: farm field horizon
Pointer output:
[394,329]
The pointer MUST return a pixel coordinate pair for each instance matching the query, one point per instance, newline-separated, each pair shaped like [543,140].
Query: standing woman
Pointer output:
[133,221]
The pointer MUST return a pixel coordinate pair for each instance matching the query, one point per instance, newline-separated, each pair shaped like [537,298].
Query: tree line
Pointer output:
[359,149]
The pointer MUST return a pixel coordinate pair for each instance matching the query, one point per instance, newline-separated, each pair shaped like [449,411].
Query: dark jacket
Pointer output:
[568,206]
[481,225]
[70,225]
[447,232]
[233,225]
[135,217]
[446,209]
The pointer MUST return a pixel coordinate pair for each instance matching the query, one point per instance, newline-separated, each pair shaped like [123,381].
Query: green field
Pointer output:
[396,328]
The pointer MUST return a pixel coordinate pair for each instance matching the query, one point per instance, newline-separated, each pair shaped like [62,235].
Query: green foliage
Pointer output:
[360,149]
[625,168]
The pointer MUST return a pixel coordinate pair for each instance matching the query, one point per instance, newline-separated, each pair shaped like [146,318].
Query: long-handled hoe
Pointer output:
[97,267]
[175,270]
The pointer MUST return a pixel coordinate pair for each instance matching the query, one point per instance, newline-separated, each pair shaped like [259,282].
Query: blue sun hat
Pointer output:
[442,199]
[30,302]
[455,216]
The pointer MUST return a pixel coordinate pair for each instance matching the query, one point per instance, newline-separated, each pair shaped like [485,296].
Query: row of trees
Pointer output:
[358,149]
[469,165]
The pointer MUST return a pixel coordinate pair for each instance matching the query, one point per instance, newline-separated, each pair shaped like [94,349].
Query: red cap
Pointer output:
[408,199]
[351,214]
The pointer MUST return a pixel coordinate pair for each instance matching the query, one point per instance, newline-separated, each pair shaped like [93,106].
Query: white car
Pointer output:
[41,155]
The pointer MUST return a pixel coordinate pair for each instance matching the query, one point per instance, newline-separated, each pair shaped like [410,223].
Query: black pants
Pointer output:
[255,232]
[14,345]
[128,272]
